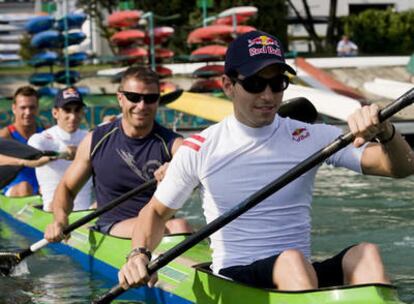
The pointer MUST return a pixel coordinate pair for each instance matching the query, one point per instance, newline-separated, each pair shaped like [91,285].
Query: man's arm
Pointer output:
[393,158]
[73,180]
[148,232]
[177,143]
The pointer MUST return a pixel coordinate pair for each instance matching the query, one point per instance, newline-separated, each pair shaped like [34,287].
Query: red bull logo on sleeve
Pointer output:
[300,134]
[264,45]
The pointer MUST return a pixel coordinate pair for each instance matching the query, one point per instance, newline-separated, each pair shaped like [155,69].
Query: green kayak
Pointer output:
[187,279]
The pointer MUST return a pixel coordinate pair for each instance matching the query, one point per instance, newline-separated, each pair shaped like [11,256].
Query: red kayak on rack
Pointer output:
[212,70]
[228,20]
[124,18]
[246,11]
[210,33]
[134,54]
[127,37]
[242,29]
[161,34]
[163,53]
[163,71]
[214,51]
[219,33]
[207,86]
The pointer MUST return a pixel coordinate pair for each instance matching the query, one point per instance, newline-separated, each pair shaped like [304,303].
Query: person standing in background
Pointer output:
[346,47]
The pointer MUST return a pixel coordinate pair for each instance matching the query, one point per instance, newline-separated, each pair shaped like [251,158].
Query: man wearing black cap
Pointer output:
[68,112]
[269,245]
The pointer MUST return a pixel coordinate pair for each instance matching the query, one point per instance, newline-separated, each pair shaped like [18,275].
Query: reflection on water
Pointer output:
[347,209]
[350,208]
[44,277]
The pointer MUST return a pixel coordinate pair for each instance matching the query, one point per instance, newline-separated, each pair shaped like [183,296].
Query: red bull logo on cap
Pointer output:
[262,41]
[70,92]
[300,134]
[264,45]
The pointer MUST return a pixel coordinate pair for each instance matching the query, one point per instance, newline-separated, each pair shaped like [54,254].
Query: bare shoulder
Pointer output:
[84,149]
[177,143]
[4,133]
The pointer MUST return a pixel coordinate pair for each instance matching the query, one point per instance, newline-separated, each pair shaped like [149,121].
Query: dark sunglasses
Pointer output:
[256,84]
[137,97]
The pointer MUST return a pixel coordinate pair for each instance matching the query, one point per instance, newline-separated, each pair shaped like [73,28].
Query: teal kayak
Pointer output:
[187,279]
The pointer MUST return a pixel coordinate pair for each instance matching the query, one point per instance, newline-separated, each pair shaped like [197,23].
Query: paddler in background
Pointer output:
[268,246]
[25,108]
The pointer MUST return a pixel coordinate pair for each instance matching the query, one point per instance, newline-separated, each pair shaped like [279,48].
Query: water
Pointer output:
[348,208]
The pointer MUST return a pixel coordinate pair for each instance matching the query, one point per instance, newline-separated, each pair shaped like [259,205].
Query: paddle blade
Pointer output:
[8,260]
[299,108]
[7,174]
[14,148]
[170,97]
[11,147]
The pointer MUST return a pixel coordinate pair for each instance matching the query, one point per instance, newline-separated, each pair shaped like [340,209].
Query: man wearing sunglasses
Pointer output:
[120,156]
[268,246]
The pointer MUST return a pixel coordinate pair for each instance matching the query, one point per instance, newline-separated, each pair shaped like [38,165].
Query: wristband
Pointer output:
[139,250]
[384,141]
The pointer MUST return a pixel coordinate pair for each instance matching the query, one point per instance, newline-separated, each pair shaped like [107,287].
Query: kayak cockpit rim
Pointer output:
[205,268]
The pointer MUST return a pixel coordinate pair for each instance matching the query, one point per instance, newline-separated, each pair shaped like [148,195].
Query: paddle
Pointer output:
[8,260]
[170,96]
[14,148]
[257,197]
[299,108]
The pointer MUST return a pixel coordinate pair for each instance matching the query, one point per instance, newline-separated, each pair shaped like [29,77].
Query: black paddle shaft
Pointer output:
[147,185]
[256,198]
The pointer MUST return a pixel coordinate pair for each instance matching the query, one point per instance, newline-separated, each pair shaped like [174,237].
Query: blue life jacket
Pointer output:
[26,174]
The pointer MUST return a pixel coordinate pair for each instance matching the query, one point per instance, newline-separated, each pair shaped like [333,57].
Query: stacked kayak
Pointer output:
[52,37]
[187,279]
[136,44]
[128,39]
[212,43]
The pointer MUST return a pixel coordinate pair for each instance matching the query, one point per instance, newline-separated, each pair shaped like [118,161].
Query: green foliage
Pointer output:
[26,50]
[382,32]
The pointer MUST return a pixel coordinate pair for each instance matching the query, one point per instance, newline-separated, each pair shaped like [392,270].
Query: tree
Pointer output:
[308,24]
[330,32]
[95,9]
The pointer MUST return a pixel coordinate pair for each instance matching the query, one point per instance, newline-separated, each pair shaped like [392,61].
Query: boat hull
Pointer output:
[179,281]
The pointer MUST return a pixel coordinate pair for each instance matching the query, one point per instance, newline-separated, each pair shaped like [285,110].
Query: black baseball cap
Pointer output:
[68,96]
[253,51]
